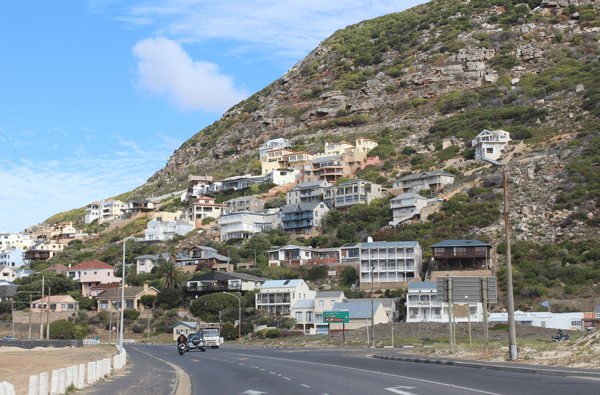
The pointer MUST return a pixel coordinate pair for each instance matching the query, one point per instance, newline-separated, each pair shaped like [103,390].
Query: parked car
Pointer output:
[196,341]
[9,337]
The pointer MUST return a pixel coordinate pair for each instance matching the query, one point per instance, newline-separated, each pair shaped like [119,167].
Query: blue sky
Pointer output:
[95,97]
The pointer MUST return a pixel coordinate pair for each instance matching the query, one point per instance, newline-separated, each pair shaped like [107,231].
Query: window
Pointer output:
[575,323]
[321,303]
[299,316]
[331,303]
[129,304]
[309,316]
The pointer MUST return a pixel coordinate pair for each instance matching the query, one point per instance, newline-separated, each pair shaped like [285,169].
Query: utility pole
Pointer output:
[372,306]
[48,325]
[512,336]
[30,315]
[42,312]
[12,314]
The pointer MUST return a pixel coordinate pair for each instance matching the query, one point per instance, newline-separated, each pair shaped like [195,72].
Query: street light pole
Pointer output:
[122,295]
[240,317]
[254,257]
[372,307]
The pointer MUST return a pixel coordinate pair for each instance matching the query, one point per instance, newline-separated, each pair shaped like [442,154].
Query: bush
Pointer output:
[207,220]
[160,329]
[137,329]
[132,315]
[68,330]
[147,300]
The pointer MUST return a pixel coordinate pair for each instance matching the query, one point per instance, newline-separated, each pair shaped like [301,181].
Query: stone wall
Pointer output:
[29,344]
[23,318]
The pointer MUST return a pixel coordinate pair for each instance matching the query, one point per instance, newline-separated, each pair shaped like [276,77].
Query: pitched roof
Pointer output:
[378,244]
[300,207]
[326,158]
[415,285]
[92,265]
[189,324]
[426,174]
[461,243]
[329,294]
[57,267]
[224,276]
[304,304]
[105,286]
[309,184]
[386,302]
[56,299]
[407,196]
[358,309]
[281,283]
[130,292]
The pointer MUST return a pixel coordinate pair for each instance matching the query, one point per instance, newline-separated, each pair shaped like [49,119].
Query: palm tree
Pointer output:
[171,273]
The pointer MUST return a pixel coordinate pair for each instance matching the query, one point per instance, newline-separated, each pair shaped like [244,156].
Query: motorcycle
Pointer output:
[560,336]
[181,348]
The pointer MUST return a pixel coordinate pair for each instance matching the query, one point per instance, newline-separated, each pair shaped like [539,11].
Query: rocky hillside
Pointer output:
[430,78]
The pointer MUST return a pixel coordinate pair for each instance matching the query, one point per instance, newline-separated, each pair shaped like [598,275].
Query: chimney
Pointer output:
[145,287]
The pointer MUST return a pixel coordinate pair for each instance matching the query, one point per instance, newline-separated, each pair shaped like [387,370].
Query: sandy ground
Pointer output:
[18,364]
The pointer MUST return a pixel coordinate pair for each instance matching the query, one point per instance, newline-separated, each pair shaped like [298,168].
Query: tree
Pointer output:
[147,300]
[87,303]
[316,273]
[348,276]
[169,298]
[171,273]
[229,331]
[207,307]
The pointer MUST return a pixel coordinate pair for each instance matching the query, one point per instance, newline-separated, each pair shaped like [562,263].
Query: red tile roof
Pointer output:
[93,265]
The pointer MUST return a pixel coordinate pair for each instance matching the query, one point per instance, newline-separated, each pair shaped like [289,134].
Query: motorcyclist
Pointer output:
[182,339]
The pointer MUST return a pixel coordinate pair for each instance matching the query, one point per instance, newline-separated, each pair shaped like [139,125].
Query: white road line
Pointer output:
[273,373]
[287,378]
[304,385]
[373,371]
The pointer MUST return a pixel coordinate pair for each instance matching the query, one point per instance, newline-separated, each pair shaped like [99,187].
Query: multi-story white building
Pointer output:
[388,264]
[20,240]
[92,212]
[276,297]
[201,208]
[422,304]
[300,255]
[244,224]
[159,230]
[8,274]
[490,144]
[145,263]
[11,257]
[273,144]
[306,192]
[309,313]
[244,203]
[405,206]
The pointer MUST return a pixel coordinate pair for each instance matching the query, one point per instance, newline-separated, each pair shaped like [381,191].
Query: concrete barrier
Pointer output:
[43,383]
[62,379]
[69,379]
[34,385]
[80,377]
[54,383]
[75,375]
[29,344]
[91,377]
[7,388]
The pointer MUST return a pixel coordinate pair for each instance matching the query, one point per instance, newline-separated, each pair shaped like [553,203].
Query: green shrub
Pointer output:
[132,315]
[207,220]
[67,330]
[390,87]
[137,329]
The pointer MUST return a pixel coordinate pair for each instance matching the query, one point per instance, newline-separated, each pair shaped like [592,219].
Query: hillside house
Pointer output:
[461,255]
[309,313]
[302,217]
[302,256]
[216,281]
[433,180]
[111,210]
[490,144]
[92,212]
[244,203]
[244,224]
[350,193]
[306,192]
[145,263]
[92,273]
[201,208]
[422,305]
[7,274]
[157,230]
[276,297]
[406,206]
[111,298]
[327,168]
[12,257]
[360,314]
[58,303]
[279,143]
[20,240]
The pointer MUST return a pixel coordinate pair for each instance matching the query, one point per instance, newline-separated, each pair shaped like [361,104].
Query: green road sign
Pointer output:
[336,316]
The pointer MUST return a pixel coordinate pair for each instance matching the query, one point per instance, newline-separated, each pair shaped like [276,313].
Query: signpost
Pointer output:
[336,317]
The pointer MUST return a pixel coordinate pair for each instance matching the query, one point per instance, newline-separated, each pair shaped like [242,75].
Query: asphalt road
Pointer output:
[254,371]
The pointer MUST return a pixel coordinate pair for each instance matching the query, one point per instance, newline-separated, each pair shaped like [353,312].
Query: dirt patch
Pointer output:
[18,364]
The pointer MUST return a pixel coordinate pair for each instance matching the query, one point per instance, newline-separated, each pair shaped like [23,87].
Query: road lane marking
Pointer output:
[376,372]
[304,385]
[287,378]
[399,389]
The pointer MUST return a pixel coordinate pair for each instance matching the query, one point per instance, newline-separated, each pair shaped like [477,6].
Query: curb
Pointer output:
[514,369]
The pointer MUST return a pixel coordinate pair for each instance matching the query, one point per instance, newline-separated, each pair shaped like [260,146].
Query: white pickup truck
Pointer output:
[213,337]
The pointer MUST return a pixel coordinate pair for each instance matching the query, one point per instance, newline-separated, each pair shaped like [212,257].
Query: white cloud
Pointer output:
[170,142]
[288,28]
[164,68]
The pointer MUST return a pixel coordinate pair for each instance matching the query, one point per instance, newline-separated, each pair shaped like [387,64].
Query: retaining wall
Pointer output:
[29,344]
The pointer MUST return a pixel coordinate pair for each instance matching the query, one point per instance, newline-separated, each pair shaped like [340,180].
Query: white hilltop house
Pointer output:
[490,144]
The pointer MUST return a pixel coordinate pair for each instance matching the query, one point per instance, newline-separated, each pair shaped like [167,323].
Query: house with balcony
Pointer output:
[244,203]
[309,313]
[450,255]
[386,264]
[11,257]
[406,206]
[302,217]
[237,183]
[422,305]
[433,180]
[92,273]
[195,185]
[145,263]
[274,159]
[203,207]
[20,240]
[110,300]
[137,208]
[338,148]
[58,303]
[42,252]
[328,168]
[364,144]
[65,233]
[306,192]
[244,224]
[92,212]
[216,281]
[490,145]
[276,297]
[270,145]
[302,256]
[111,210]
[157,230]
[350,193]
[279,176]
